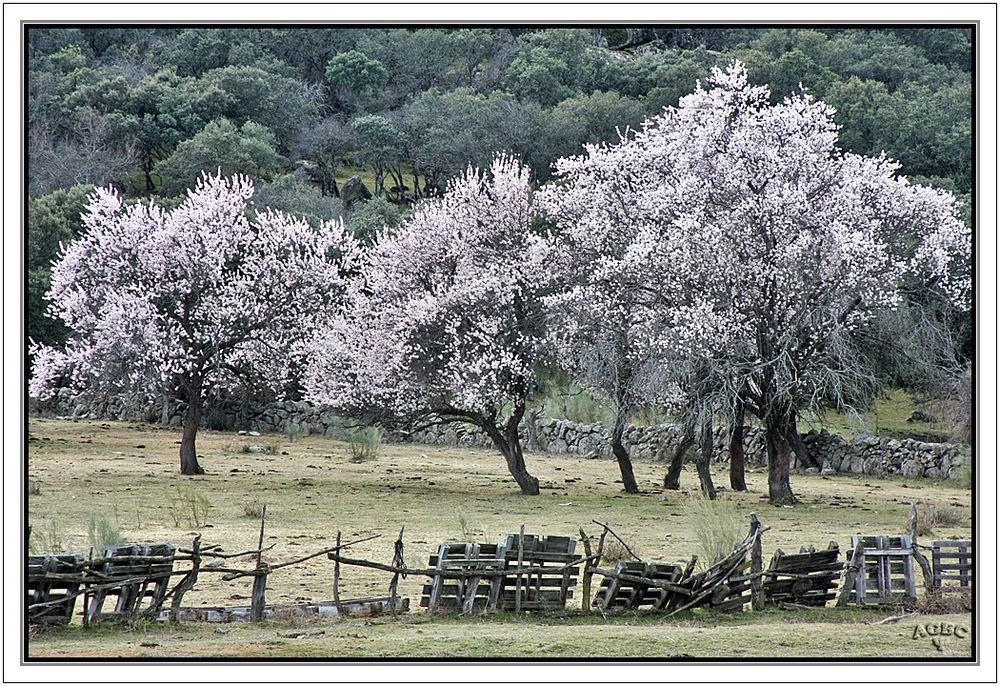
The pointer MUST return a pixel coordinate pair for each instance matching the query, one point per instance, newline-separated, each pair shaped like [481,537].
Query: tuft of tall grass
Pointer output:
[189,505]
[293,431]
[46,539]
[103,534]
[364,443]
[253,508]
[717,527]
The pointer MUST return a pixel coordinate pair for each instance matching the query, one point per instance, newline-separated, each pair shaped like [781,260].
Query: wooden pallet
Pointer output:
[44,587]
[809,578]
[546,584]
[952,563]
[625,594]
[468,595]
[728,580]
[885,572]
[151,564]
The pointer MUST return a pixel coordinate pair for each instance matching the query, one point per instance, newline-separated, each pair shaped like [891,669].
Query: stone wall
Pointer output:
[860,455]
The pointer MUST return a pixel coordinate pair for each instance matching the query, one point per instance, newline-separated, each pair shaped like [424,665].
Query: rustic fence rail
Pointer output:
[522,572]
[807,579]
[952,565]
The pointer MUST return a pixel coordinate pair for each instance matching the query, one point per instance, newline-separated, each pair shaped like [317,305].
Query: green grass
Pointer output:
[888,418]
[367,175]
[315,490]
[807,633]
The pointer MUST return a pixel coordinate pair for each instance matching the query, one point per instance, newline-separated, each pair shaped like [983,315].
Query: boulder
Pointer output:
[920,416]
[353,191]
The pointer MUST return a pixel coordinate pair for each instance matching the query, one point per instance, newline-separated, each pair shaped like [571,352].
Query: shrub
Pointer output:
[946,602]
[102,534]
[932,517]
[292,431]
[191,506]
[253,508]
[615,550]
[470,532]
[46,539]
[364,443]
[717,526]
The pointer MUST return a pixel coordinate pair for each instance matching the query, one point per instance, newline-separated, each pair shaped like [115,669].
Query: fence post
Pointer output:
[756,566]
[520,560]
[336,580]
[257,597]
[586,569]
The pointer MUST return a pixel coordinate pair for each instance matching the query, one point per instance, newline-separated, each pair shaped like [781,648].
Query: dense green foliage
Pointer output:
[148,109]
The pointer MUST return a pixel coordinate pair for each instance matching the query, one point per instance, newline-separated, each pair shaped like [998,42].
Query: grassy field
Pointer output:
[127,474]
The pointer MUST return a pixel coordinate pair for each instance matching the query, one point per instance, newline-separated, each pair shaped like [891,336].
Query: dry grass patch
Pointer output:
[934,517]
[317,490]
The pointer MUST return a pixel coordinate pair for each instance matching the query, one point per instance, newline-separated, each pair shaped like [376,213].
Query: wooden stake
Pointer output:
[336,581]
[850,575]
[756,566]
[86,594]
[185,584]
[397,561]
[520,559]
[925,567]
[257,599]
[260,540]
[587,574]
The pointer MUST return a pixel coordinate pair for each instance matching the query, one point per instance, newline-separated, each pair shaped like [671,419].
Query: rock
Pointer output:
[920,416]
[353,191]
[912,468]
[827,470]
[812,470]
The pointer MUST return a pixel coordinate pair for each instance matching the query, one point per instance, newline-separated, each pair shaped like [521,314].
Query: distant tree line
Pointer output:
[147,110]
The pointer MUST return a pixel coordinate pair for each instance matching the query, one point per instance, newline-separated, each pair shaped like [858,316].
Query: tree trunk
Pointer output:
[705,459]
[416,185]
[618,448]
[672,481]
[799,448]
[779,486]
[515,465]
[192,420]
[509,444]
[737,457]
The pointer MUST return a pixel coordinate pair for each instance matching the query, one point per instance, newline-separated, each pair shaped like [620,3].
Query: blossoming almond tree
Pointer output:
[767,248]
[188,302]
[599,313]
[444,323]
